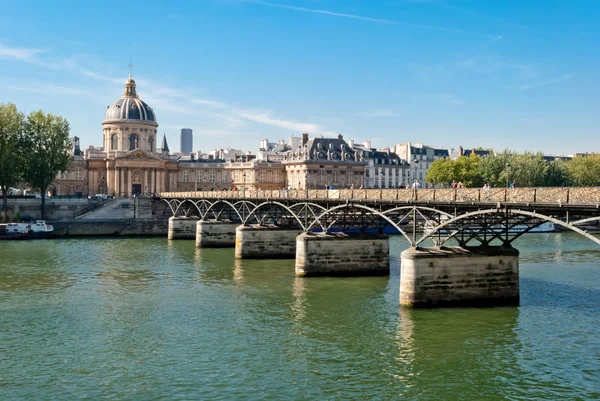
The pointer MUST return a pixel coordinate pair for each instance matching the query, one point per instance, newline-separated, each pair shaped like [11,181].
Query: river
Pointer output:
[149,319]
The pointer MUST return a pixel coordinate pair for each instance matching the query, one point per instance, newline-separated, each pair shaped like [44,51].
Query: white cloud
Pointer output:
[161,97]
[546,82]
[351,16]
[19,53]
[46,89]
[264,117]
[325,12]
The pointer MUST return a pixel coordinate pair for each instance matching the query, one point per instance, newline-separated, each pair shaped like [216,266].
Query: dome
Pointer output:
[130,107]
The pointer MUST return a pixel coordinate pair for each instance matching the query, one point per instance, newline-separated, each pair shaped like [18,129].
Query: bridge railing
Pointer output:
[542,195]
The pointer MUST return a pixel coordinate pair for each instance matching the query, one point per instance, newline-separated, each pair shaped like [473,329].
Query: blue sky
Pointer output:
[515,74]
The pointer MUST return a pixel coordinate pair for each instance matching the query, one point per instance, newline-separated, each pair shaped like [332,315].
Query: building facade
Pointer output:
[187,141]
[420,158]
[318,163]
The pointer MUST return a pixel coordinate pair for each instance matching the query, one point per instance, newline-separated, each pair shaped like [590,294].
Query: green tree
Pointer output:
[557,174]
[527,169]
[11,151]
[48,150]
[492,169]
[466,170]
[585,170]
[440,172]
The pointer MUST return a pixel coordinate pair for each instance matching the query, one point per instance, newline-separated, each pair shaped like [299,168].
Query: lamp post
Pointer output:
[507,170]
[416,164]
[174,185]
[244,184]
[102,184]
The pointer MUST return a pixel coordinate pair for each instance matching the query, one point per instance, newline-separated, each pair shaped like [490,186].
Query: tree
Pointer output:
[11,151]
[440,172]
[528,169]
[585,170]
[466,171]
[557,174]
[48,150]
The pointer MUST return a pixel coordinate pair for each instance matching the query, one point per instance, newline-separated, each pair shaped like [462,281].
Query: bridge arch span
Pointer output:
[512,212]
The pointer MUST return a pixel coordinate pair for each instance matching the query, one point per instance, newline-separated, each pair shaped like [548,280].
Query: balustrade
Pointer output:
[542,195]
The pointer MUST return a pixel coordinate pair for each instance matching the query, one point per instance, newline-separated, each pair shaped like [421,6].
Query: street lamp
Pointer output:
[244,183]
[507,170]
[416,164]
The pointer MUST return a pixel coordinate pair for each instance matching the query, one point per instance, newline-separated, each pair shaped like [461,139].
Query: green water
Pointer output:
[148,319]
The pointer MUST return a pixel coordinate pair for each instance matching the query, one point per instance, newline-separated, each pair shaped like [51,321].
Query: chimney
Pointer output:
[351,143]
[304,138]
[340,136]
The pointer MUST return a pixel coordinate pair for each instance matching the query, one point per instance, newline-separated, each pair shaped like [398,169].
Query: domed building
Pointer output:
[129,123]
[130,163]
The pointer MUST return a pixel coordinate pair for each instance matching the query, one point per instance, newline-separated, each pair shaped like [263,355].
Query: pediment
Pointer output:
[139,155]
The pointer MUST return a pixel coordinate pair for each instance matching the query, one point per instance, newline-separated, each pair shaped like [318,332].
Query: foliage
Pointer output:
[526,169]
[585,171]
[11,151]
[557,174]
[48,150]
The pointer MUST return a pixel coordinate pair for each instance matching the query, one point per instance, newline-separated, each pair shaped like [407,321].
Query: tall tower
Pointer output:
[187,141]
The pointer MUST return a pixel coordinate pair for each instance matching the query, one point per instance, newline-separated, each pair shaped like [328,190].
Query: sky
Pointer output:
[504,74]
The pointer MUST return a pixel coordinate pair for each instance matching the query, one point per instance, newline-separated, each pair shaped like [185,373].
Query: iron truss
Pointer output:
[466,224]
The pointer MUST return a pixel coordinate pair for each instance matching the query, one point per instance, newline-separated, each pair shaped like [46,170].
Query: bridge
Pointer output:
[460,240]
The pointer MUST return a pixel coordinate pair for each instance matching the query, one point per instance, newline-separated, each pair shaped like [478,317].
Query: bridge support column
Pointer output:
[340,254]
[215,234]
[182,228]
[455,276]
[265,242]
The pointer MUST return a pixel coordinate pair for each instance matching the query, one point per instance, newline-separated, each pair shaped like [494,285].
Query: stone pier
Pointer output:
[182,227]
[215,234]
[455,276]
[337,254]
[265,242]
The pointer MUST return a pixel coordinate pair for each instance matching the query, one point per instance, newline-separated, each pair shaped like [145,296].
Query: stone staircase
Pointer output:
[115,209]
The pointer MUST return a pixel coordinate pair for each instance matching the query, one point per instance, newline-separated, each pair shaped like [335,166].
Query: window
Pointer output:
[211,175]
[186,175]
[133,141]
[336,177]
[198,176]
[224,178]
[276,176]
[151,144]
[78,173]
[263,176]
[236,176]
[322,177]
[114,142]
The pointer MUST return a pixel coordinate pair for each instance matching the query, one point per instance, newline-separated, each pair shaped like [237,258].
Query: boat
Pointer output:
[12,231]
[37,229]
[29,230]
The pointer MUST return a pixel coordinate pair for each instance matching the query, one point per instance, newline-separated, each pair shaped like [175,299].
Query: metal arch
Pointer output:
[418,208]
[278,204]
[204,204]
[179,203]
[168,203]
[307,206]
[189,201]
[227,203]
[570,226]
[583,221]
[364,208]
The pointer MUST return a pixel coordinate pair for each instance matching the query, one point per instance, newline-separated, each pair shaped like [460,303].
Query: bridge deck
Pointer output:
[545,197]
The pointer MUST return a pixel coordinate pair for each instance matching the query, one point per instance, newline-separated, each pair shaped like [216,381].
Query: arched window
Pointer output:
[133,142]
[151,144]
[114,142]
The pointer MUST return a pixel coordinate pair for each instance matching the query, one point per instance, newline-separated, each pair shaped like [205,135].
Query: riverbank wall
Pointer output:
[150,227]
